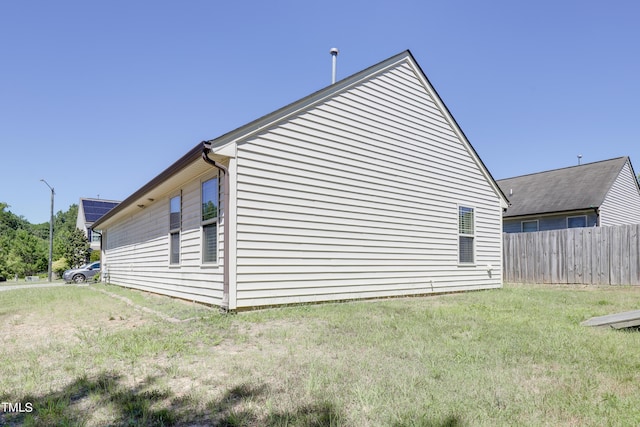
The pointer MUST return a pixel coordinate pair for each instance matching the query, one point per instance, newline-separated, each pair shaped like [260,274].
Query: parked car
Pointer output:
[81,274]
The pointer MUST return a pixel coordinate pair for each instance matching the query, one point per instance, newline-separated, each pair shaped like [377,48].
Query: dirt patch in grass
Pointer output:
[37,329]
[510,357]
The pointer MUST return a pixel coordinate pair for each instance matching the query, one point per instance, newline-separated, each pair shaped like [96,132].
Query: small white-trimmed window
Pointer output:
[209,220]
[577,221]
[528,226]
[466,235]
[175,220]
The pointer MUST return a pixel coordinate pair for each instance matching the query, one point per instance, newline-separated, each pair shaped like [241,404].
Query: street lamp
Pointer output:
[50,229]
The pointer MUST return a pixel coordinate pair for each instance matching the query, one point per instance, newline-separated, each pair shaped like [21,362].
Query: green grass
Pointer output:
[514,356]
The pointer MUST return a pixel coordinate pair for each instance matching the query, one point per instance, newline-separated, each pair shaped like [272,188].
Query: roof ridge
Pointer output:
[564,168]
[98,200]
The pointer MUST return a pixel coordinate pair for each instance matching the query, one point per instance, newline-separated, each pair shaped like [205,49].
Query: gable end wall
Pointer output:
[622,203]
[358,198]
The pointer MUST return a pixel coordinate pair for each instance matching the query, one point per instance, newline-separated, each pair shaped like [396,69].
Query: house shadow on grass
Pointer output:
[104,400]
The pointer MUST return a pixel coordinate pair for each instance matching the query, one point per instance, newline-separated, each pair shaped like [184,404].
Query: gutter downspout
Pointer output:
[206,149]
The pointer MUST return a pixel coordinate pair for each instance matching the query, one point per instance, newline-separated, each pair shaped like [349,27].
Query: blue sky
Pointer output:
[99,97]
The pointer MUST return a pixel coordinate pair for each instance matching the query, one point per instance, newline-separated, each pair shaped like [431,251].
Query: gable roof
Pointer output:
[224,144]
[560,190]
[94,209]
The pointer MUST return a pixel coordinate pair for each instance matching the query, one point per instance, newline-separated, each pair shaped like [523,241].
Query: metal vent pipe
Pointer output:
[334,54]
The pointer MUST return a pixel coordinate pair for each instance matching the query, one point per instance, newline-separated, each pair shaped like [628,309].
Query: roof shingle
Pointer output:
[560,190]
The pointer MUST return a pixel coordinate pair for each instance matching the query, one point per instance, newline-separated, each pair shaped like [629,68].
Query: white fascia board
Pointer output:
[228,149]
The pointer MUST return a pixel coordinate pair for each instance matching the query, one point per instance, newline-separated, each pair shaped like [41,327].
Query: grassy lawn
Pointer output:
[22,281]
[101,355]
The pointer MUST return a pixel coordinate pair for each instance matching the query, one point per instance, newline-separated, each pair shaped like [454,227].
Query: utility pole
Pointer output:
[50,272]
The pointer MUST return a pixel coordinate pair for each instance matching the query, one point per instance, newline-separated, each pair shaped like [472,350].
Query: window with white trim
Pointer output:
[175,220]
[528,226]
[466,235]
[209,220]
[576,221]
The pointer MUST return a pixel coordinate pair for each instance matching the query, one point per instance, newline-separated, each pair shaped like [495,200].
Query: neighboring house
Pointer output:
[89,211]
[594,194]
[367,188]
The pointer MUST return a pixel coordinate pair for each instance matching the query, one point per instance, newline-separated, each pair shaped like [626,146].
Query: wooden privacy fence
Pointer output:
[593,256]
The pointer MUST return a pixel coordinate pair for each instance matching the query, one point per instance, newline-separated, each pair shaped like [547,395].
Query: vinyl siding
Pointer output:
[137,252]
[548,222]
[358,197]
[622,203]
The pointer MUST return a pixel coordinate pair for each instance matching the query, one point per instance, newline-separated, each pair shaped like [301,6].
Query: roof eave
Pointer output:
[226,142]
[551,213]
[504,201]
[194,154]
[229,139]
[256,126]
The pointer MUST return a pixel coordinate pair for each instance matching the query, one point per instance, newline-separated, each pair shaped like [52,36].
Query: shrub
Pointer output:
[59,266]
[94,256]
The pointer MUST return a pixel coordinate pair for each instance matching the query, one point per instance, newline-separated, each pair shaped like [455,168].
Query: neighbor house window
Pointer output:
[529,226]
[577,221]
[466,235]
[175,207]
[210,205]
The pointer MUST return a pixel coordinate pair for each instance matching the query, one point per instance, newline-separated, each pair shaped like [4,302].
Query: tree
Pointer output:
[24,246]
[74,247]
[15,243]
[28,254]
[59,266]
[5,243]
[41,230]
[64,225]
[66,220]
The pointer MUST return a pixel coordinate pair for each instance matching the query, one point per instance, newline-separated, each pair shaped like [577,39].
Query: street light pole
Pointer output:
[50,230]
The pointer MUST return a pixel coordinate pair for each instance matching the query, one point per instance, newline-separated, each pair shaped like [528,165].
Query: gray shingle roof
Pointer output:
[559,190]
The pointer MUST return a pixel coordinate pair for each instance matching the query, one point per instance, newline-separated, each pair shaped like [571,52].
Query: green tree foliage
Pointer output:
[94,256]
[63,225]
[59,266]
[24,247]
[41,230]
[74,247]
[27,255]
[14,243]
[10,222]
[66,220]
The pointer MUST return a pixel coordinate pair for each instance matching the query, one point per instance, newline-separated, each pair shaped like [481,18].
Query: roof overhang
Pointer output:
[582,211]
[188,167]
[225,146]
[227,143]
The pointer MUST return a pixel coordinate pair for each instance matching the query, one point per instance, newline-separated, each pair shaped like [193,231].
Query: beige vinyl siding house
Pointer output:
[367,188]
[136,248]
